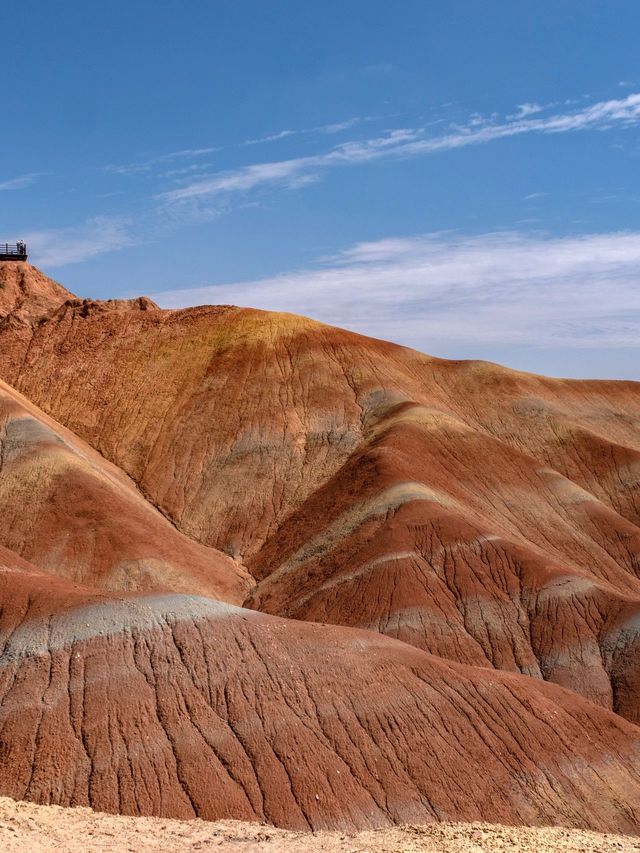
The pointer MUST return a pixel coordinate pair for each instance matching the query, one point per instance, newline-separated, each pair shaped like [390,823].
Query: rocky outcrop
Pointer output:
[26,298]
[27,294]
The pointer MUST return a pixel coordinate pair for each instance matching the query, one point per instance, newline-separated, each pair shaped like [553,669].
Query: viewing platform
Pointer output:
[13,251]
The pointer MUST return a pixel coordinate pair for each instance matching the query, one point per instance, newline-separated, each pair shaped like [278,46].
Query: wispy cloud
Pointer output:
[412,142]
[60,246]
[148,165]
[336,127]
[274,137]
[339,126]
[19,183]
[290,172]
[447,289]
[529,109]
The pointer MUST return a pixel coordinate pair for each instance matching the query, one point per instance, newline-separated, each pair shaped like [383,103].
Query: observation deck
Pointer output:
[13,251]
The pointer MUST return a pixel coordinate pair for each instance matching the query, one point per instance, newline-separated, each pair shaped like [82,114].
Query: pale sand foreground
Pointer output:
[28,828]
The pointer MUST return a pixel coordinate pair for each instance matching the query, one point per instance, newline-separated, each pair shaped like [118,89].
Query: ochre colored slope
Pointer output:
[26,293]
[179,705]
[73,513]
[9,560]
[195,403]
[487,516]
[26,297]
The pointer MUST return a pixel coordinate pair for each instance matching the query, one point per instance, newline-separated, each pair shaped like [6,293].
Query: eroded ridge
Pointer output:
[481,525]
[179,706]
[64,507]
[438,535]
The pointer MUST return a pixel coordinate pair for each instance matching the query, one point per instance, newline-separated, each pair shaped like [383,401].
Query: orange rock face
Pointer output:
[27,294]
[67,509]
[486,519]
[181,705]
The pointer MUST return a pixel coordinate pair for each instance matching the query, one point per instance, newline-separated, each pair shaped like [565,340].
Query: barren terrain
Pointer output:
[254,567]
[25,828]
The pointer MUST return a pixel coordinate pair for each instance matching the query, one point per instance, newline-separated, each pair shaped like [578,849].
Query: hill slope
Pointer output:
[481,524]
[73,513]
[180,705]
[487,516]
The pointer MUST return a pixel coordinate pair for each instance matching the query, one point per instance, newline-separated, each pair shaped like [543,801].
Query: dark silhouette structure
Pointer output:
[13,251]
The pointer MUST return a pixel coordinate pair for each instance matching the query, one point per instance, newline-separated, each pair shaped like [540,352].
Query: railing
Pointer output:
[16,251]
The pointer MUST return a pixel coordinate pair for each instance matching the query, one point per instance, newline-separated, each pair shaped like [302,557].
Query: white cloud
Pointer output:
[411,142]
[289,172]
[528,110]
[274,137]
[246,178]
[337,127]
[60,246]
[147,165]
[19,183]
[447,289]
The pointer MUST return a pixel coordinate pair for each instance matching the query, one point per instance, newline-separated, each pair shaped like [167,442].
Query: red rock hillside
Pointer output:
[181,705]
[482,525]
[76,515]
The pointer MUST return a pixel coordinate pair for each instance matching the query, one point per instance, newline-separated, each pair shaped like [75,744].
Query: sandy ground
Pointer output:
[29,828]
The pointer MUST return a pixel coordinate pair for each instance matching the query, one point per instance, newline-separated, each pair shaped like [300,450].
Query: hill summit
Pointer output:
[27,293]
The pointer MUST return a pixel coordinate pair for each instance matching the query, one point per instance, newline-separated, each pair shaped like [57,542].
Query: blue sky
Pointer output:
[462,177]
